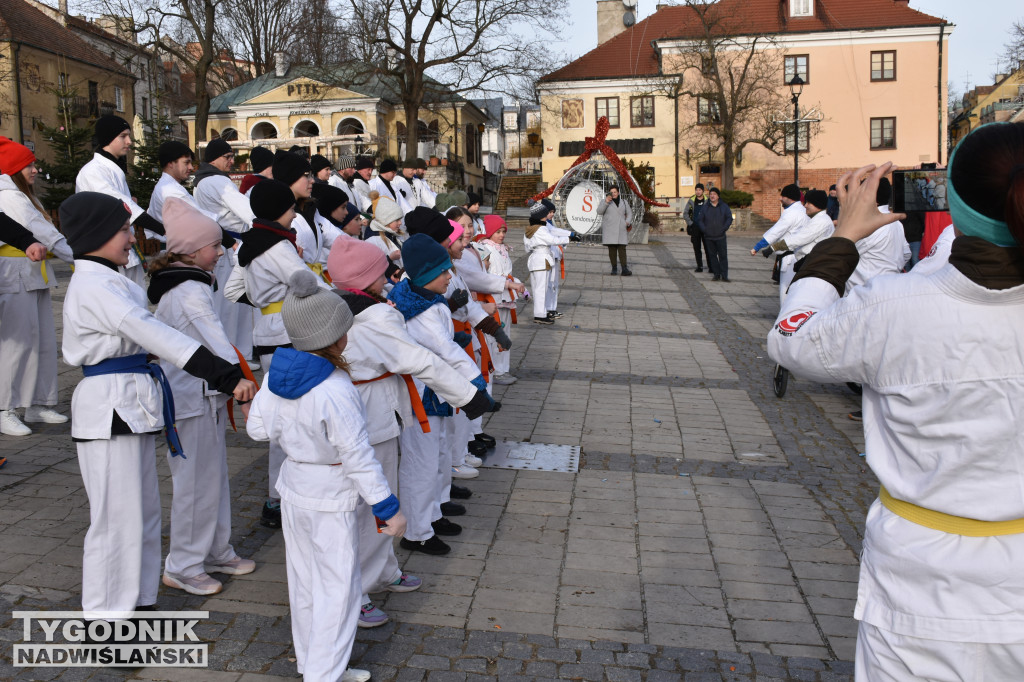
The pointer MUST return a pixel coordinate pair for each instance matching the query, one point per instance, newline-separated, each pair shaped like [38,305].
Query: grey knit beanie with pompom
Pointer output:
[313,317]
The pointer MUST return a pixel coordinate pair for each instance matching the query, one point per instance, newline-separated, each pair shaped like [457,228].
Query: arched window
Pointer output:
[351,126]
[264,130]
[229,135]
[306,129]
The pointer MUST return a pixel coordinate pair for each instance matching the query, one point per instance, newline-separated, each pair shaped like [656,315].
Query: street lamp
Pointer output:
[796,86]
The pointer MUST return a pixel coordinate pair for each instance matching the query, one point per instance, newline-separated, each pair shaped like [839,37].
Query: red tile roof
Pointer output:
[630,53]
[22,23]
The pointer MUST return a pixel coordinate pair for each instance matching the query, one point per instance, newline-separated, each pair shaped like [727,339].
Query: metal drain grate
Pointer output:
[509,454]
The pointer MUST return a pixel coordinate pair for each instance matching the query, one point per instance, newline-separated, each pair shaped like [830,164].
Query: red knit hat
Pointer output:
[14,157]
[355,264]
[492,223]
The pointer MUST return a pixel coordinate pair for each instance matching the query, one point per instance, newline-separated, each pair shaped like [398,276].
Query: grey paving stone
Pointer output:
[428,662]
[581,671]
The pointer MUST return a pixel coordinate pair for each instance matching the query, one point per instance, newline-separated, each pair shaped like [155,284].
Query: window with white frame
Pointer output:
[118,99]
[796,65]
[801,8]
[805,137]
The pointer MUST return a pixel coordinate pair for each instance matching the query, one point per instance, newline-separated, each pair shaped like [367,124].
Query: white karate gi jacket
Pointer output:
[106,177]
[21,274]
[942,430]
[377,185]
[266,282]
[361,197]
[477,278]
[938,255]
[433,329]
[424,195]
[167,187]
[793,216]
[105,316]
[405,189]
[328,233]
[539,246]
[497,264]
[216,194]
[307,239]
[882,252]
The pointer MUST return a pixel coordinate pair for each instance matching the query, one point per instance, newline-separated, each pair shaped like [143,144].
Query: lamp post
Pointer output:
[519,134]
[796,86]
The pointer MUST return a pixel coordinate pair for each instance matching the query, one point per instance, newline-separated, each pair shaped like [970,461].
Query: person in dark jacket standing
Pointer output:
[690,215]
[714,219]
[832,208]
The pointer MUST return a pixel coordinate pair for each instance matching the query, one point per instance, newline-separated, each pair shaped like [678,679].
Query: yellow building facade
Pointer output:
[998,102]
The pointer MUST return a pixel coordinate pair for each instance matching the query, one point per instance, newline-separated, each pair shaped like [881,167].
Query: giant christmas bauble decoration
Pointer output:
[577,195]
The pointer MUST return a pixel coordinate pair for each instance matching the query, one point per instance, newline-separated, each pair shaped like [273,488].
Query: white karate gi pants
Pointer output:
[121,558]
[539,290]
[458,433]
[28,350]
[236,318]
[378,564]
[277,455]
[423,456]
[201,504]
[554,284]
[786,276]
[501,359]
[884,656]
[323,589]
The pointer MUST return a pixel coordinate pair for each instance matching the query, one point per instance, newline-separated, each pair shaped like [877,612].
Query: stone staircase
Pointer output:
[514,191]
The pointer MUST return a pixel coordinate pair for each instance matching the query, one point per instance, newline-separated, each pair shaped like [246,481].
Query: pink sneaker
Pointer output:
[237,566]
[201,584]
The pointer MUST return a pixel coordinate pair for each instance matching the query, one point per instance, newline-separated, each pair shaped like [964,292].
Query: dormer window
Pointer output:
[801,8]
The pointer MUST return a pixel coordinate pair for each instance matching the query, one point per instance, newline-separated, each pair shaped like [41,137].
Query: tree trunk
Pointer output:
[412,130]
[202,100]
[727,163]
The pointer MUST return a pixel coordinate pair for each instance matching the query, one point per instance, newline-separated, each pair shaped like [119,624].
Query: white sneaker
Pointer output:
[255,366]
[504,379]
[10,424]
[201,584]
[355,675]
[474,461]
[44,415]
[236,566]
[464,471]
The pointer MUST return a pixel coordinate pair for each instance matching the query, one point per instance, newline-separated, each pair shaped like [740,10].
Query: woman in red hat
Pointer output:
[28,340]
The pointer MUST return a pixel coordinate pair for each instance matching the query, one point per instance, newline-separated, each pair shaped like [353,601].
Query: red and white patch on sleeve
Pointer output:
[791,324]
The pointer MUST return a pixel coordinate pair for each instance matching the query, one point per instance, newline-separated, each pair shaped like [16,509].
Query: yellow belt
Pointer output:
[8,251]
[947,523]
[272,308]
[318,270]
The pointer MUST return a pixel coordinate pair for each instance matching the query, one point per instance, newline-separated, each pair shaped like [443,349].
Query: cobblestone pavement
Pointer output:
[712,532]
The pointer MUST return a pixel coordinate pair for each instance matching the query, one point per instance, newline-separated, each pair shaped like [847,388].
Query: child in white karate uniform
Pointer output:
[181,286]
[117,409]
[311,409]
[498,257]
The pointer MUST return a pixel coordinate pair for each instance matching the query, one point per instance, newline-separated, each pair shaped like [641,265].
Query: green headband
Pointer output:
[969,221]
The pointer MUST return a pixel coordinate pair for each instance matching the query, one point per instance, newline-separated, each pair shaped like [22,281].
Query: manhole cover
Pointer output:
[509,454]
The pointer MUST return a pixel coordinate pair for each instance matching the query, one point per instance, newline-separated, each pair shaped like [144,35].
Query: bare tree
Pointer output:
[1012,58]
[439,48]
[324,35]
[262,28]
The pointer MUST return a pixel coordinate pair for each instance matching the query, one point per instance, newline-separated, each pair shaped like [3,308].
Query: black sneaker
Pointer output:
[857,416]
[445,527]
[699,268]
[477,449]
[554,314]
[432,545]
[726,279]
[271,517]
[716,278]
[452,509]
[459,492]
[487,439]
[626,272]
[615,271]
[543,320]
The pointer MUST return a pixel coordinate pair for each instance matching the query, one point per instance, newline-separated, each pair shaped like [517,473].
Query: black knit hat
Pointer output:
[328,198]
[318,162]
[699,185]
[216,149]
[300,150]
[289,167]
[817,197]
[791,192]
[107,128]
[260,158]
[172,150]
[423,220]
[884,192]
[550,204]
[420,164]
[271,199]
[388,166]
[89,220]
[364,162]
[539,211]
[474,198]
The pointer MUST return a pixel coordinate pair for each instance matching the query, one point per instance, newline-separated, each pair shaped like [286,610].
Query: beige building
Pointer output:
[305,107]
[998,102]
[874,73]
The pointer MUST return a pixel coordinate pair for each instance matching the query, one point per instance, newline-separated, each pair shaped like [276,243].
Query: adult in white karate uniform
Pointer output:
[175,159]
[386,184]
[28,339]
[403,184]
[118,407]
[425,196]
[538,241]
[105,174]
[311,410]
[801,238]
[884,251]
[215,193]
[775,240]
[360,183]
[941,592]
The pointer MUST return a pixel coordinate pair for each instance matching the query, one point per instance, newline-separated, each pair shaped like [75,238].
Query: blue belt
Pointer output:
[138,364]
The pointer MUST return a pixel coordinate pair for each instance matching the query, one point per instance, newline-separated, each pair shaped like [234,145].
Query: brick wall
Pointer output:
[766,184]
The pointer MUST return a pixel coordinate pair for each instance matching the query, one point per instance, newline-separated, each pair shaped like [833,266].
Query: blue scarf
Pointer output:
[411,301]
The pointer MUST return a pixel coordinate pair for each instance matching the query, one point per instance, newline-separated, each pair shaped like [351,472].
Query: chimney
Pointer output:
[280,64]
[63,19]
[609,19]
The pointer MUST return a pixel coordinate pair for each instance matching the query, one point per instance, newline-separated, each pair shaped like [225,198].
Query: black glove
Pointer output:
[573,237]
[148,222]
[462,339]
[459,298]
[497,406]
[488,325]
[767,251]
[502,338]
[480,403]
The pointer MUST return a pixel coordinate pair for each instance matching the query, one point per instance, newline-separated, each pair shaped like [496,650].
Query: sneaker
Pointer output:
[543,320]
[457,492]
[255,366]
[487,439]
[857,416]
[432,545]
[445,527]
[201,584]
[271,517]
[554,314]
[371,617]
[43,415]
[452,509]
[355,675]
[237,566]
[615,271]
[406,583]
[504,380]
[474,462]
[699,268]
[10,425]
[464,471]
[626,272]
[476,449]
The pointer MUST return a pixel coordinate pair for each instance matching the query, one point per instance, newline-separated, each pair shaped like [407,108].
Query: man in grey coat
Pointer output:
[615,229]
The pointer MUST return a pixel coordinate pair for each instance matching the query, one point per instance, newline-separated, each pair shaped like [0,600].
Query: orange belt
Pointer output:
[414,397]
[561,261]
[247,373]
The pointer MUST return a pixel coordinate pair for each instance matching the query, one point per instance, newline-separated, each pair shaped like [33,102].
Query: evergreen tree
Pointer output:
[70,144]
[146,171]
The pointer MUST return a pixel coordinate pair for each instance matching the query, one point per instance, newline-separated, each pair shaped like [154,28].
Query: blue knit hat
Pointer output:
[424,259]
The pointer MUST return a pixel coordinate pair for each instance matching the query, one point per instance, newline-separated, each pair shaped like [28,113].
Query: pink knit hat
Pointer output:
[457,231]
[354,264]
[188,230]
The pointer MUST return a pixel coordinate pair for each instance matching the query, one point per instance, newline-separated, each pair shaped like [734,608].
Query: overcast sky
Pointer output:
[977,40]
